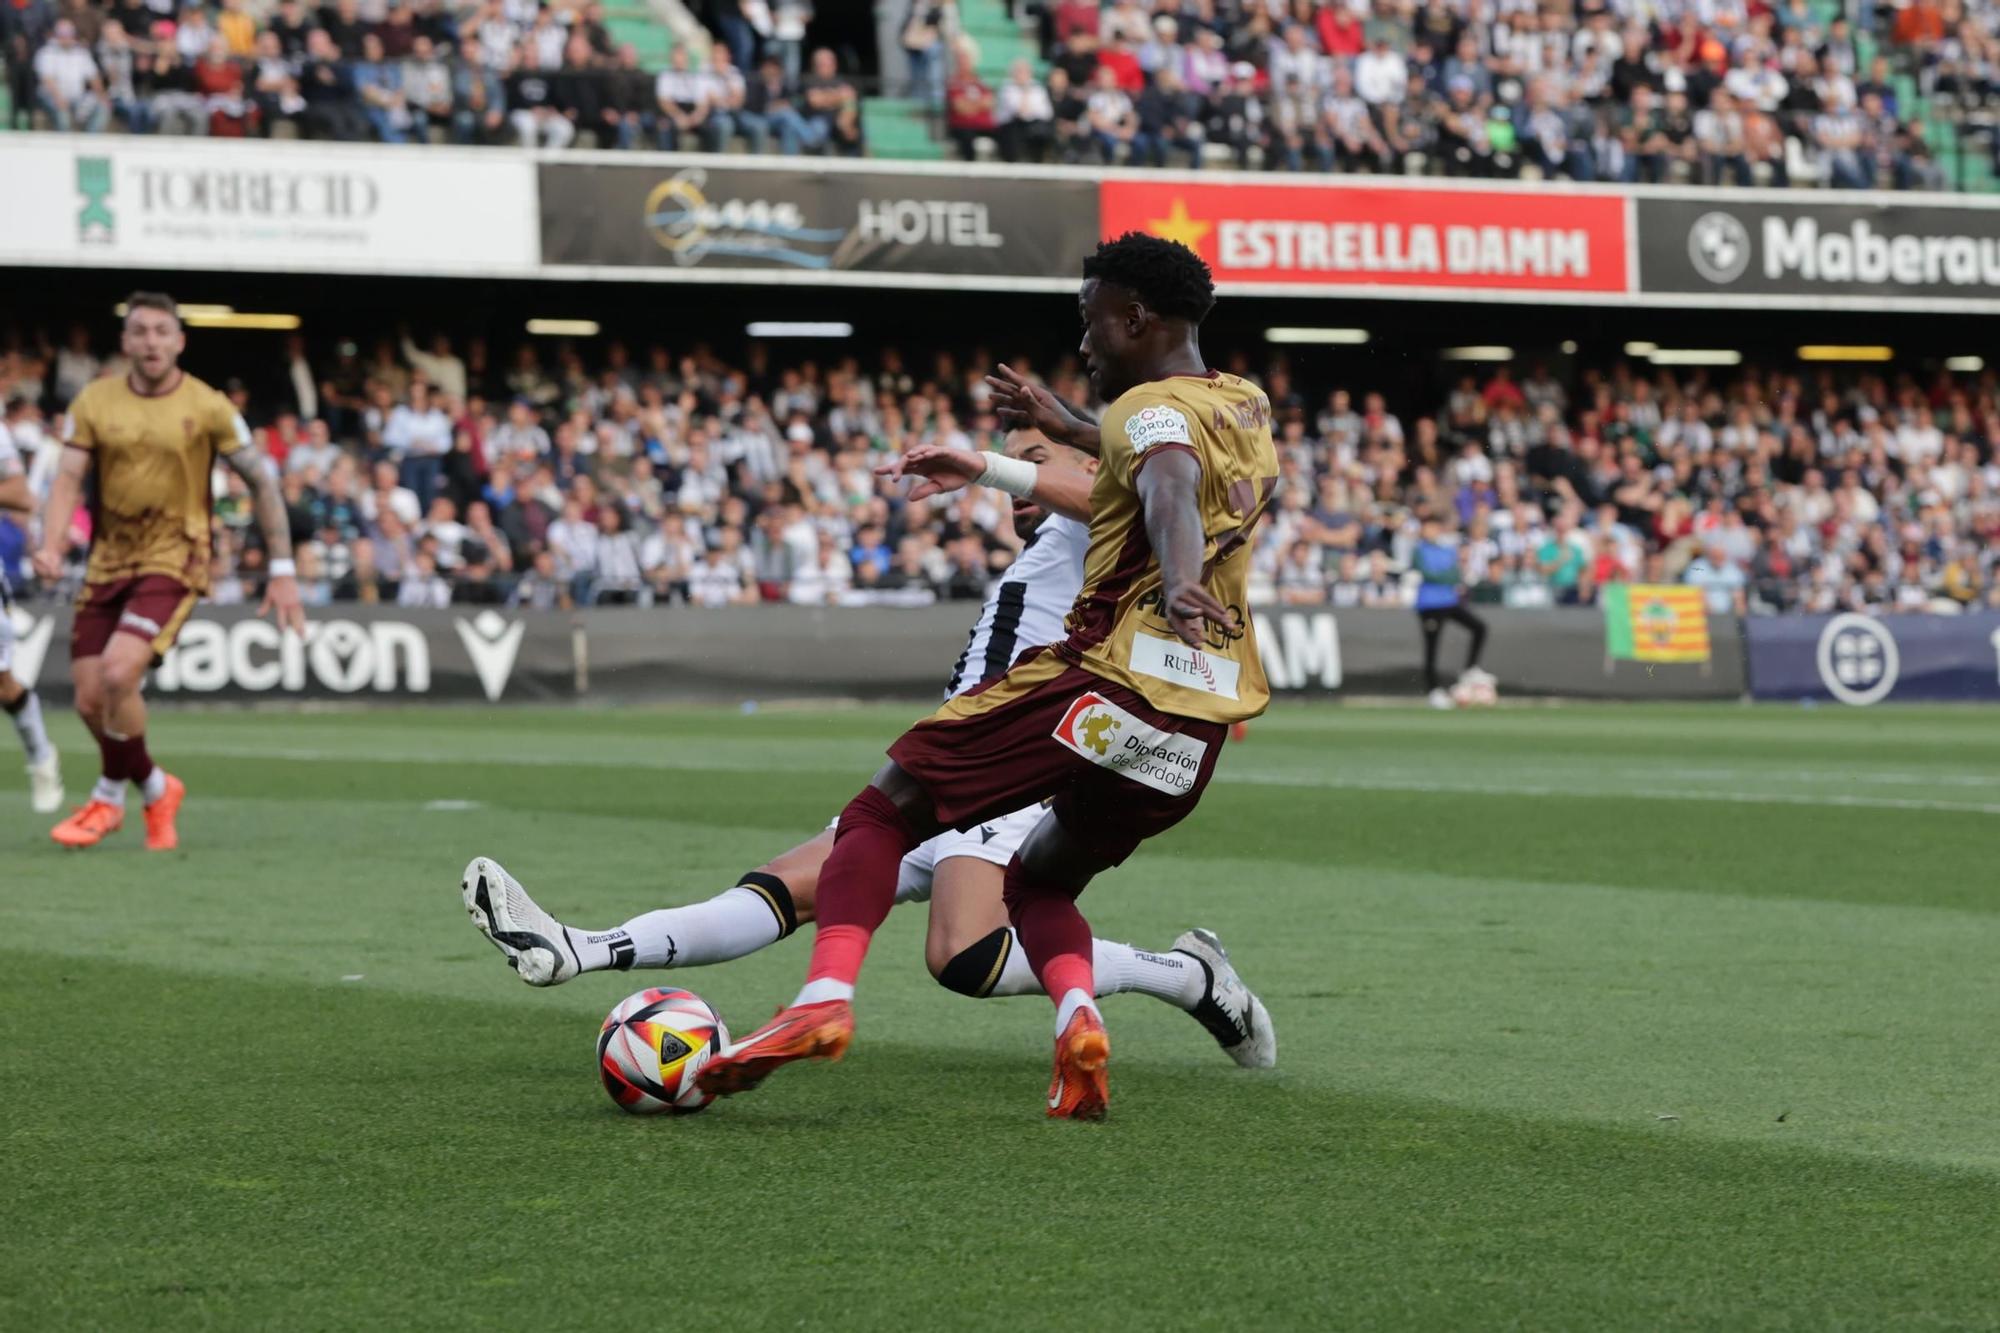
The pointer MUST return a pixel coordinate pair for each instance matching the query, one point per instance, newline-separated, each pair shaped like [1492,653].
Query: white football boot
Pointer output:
[1230,1011]
[45,783]
[535,944]
[1441,700]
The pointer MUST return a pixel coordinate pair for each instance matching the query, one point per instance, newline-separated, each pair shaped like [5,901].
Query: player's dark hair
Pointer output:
[1167,277]
[159,301]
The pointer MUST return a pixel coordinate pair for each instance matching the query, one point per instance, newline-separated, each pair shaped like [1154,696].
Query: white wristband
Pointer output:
[1012,475]
[284,569]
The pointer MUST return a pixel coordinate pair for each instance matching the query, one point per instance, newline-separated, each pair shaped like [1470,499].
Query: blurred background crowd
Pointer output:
[1771,92]
[557,474]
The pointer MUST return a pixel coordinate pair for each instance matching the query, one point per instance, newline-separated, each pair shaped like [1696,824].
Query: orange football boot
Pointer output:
[89,824]
[800,1032]
[1080,1090]
[161,835]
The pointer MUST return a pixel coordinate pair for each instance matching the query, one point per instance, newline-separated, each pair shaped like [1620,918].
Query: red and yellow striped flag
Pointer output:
[1654,622]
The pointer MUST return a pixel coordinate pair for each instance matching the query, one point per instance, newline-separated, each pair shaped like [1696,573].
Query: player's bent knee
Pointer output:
[777,895]
[122,678]
[975,969]
[11,691]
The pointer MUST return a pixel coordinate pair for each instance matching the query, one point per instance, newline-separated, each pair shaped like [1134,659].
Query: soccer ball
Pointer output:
[651,1047]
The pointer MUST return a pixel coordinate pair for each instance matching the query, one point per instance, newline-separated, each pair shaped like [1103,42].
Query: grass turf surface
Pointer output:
[1589,1017]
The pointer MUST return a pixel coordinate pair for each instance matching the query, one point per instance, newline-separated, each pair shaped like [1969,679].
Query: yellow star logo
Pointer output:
[1179,226]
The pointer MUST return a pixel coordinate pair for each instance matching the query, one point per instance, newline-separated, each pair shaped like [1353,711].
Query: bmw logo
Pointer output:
[1719,247]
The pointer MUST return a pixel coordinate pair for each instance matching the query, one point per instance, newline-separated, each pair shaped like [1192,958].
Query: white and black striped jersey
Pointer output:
[1027,606]
[10,466]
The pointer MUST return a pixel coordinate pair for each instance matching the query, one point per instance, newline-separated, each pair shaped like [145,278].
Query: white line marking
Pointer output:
[709,760]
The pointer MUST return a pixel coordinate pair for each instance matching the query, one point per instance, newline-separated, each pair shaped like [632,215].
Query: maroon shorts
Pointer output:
[152,607]
[1115,769]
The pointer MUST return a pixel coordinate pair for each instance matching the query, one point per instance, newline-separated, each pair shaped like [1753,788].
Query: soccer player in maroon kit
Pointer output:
[1119,725]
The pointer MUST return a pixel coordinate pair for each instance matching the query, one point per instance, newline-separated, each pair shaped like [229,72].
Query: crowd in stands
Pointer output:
[1706,91]
[1709,91]
[400,71]
[556,475]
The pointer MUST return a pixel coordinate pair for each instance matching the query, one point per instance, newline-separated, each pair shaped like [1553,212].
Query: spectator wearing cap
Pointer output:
[67,84]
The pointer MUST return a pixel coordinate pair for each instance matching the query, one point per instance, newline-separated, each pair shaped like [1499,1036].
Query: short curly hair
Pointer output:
[1166,276]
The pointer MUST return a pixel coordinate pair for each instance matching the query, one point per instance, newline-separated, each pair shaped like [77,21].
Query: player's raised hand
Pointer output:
[1188,606]
[281,594]
[1020,403]
[937,470]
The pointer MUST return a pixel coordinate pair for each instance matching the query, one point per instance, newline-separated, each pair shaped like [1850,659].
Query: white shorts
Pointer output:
[995,841]
[6,636]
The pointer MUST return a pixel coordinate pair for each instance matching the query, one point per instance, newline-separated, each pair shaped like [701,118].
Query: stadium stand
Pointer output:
[1716,91]
[434,474]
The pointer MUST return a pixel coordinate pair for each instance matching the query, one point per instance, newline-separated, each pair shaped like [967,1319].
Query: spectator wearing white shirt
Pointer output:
[1381,75]
[665,558]
[822,580]
[685,103]
[316,452]
[389,498]
[723,576]
[67,83]
[418,435]
[619,575]
[1025,116]
[520,433]
[1918,440]
[438,365]
[422,586]
[573,540]
[1111,115]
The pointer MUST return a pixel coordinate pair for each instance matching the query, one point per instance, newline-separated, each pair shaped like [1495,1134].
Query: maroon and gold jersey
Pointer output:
[1117,628]
[152,458]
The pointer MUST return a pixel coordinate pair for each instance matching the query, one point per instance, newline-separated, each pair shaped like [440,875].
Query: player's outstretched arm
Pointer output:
[281,587]
[64,491]
[1169,488]
[1020,403]
[938,470]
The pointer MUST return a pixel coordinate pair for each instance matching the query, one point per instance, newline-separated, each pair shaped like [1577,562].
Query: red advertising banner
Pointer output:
[1311,235]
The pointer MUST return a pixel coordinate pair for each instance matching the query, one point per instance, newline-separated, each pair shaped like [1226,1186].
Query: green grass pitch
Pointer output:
[1590,1018]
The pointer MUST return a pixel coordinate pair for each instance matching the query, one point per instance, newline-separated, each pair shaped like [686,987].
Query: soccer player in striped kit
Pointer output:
[969,947]
[21,704]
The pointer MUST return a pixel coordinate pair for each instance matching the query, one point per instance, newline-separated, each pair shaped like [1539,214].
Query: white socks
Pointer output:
[28,726]
[1072,1002]
[826,988]
[733,923]
[155,785]
[1118,968]
[1177,978]
[109,792]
